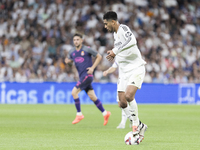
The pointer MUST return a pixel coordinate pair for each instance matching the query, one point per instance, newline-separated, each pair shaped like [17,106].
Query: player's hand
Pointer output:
[105,73]
[110,56]
[90,70]
[67,60]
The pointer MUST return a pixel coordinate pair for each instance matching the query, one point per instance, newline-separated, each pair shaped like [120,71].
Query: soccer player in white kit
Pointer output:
[131,65]
[105,73]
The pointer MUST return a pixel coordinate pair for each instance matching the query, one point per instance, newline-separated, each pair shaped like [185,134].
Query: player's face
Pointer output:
[77,41]
[109,25]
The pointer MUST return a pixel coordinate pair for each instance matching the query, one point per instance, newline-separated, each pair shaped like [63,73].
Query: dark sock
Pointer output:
[77,104]
[99,105]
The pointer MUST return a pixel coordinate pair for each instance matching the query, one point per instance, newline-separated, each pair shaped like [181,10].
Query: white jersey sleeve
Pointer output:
[127,39]
[128,55]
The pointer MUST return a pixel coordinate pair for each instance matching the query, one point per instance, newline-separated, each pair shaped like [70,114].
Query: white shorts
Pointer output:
[134,77]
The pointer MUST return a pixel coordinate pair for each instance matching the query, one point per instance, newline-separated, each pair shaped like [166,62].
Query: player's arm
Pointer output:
[111,69]
[108,71]
[70,59]
[110,55]
[130,40]
[67,60]
[96,62]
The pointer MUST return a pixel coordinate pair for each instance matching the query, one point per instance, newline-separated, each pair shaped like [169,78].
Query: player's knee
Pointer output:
[74,94]
[92,97]
[129,97]
[123,104]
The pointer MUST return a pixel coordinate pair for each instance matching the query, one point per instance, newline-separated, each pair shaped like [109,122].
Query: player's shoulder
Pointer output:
[124,28]
[87,48]
[72,50]
[84,47]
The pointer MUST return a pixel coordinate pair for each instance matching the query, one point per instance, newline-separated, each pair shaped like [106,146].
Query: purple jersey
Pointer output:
[82,59]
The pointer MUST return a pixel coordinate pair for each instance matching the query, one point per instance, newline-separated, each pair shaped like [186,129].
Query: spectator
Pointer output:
[20,76]
[168,35]
[52,48]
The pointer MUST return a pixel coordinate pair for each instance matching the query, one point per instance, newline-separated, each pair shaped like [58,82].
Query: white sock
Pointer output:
[134,112]
[128,114]
[124,117]
[104,113]
[79,113]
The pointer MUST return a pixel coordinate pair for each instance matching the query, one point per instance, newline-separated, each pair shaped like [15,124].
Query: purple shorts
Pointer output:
[86,83]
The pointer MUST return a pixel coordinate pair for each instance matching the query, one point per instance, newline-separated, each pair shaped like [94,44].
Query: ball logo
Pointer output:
[82,53]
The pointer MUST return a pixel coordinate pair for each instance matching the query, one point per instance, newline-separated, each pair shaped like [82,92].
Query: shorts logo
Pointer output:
[133,82]
[82,53]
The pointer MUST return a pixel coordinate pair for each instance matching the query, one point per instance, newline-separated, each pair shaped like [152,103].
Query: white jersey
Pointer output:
[128,56]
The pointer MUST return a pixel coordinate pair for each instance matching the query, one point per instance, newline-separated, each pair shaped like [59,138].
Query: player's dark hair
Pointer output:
[79,35]
[110,15]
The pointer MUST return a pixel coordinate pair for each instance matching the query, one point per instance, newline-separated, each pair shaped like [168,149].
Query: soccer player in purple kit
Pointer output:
[81,55]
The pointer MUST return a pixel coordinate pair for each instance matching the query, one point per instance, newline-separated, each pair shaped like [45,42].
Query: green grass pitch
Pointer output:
[49,127]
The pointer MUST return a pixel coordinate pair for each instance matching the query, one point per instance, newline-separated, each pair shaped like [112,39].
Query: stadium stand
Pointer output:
[36,35]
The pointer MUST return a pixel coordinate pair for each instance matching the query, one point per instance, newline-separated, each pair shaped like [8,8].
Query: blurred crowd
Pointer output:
[36,35]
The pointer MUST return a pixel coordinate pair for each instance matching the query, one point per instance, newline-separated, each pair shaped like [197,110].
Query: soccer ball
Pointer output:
[129,139]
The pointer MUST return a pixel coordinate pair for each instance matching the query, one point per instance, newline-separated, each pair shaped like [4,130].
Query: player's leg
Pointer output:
[135,83]
[75,93]
[124,105]
[123,117]
[96,101]
[122,124]
[81,85]
[130,97]
[99,105]
[137,127]
[121,87]
[79,115]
